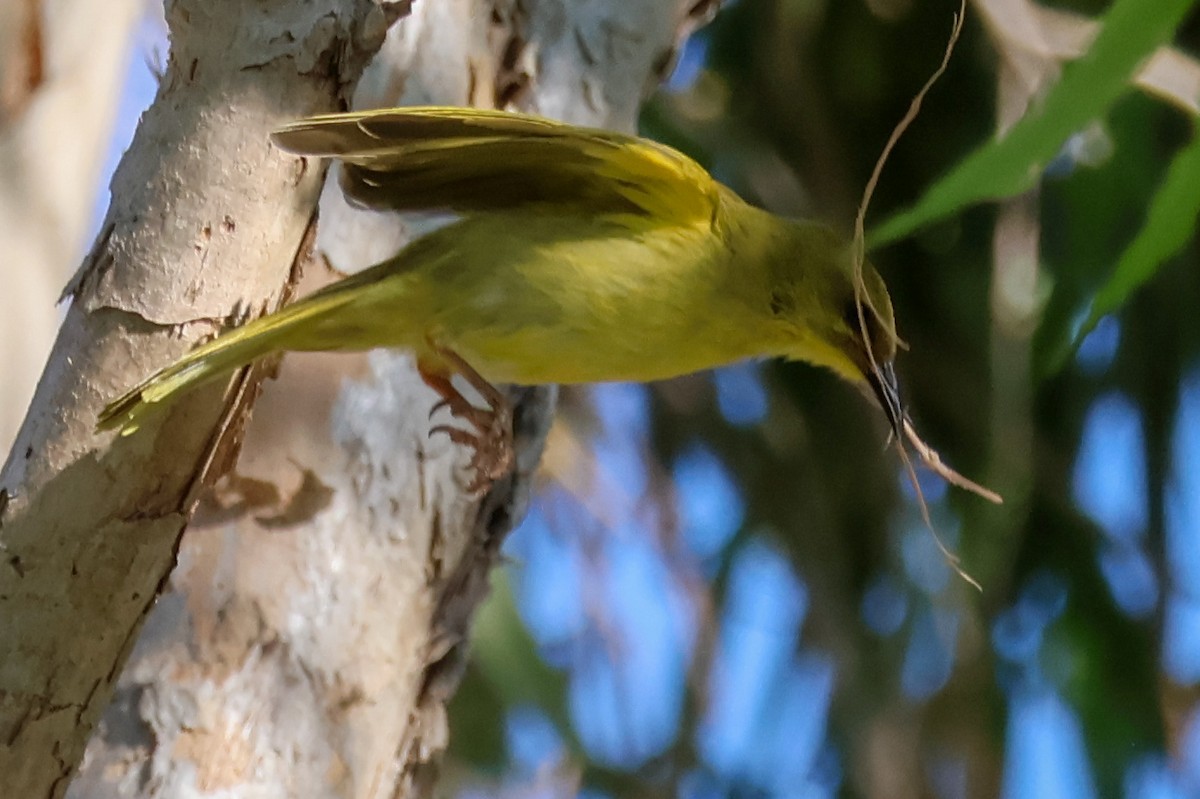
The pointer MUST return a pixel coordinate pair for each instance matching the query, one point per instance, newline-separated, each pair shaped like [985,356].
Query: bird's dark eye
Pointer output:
[870,330]
[850,316]
[781,303]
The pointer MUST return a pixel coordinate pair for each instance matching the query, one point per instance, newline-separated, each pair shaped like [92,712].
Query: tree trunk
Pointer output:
[316,626]
[205,221]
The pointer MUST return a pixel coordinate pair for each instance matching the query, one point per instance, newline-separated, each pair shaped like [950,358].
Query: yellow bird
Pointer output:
[580,256]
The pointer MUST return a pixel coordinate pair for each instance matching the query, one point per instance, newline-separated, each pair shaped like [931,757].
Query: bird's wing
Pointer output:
[470,160]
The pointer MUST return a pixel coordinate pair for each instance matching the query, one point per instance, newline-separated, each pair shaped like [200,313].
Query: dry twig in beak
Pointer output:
[882,378]
[930,458]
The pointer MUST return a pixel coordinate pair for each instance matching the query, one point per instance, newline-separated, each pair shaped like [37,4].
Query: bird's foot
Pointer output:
[489,434]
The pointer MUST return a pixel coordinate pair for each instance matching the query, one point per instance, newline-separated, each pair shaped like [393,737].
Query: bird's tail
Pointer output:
[297,327]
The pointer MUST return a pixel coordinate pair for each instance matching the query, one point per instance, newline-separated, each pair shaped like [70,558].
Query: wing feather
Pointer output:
[471,160]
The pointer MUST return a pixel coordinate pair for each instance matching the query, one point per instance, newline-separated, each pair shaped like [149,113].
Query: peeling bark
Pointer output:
[317,623]
[204,225]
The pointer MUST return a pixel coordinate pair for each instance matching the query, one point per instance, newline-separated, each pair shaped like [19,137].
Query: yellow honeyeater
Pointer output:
[579,255]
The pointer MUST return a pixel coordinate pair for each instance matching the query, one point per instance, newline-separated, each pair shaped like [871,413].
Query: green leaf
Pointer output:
[1089,219]
[1170,224]
[507,672]
[1131,31]
[506,655]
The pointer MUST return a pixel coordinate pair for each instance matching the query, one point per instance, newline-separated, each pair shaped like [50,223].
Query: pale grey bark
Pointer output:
[316,626]
[205,222]
[61,65]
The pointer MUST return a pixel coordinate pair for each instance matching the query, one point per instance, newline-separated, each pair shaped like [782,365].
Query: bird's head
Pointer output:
[841,318]
[872,342]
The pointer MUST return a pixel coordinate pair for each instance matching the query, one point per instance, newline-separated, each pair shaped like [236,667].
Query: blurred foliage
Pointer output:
[1170,224]
[1007,166]
[789,102]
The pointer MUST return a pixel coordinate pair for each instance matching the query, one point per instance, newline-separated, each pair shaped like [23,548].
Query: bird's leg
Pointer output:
[491,435]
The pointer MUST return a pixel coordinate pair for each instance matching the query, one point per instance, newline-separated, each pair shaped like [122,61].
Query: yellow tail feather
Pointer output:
[285,330]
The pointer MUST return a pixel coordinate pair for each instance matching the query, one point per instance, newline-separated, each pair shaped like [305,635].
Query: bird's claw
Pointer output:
[437,406]
[491,443]
[490,435]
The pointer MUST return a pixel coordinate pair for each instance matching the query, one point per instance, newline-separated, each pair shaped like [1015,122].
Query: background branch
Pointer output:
[61,67]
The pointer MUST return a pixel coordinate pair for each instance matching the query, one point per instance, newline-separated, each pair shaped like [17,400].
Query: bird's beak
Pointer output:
[887,394]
